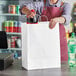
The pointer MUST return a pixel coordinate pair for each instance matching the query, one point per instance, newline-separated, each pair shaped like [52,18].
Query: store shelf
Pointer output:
[8,14]
[12,49]
[10,33]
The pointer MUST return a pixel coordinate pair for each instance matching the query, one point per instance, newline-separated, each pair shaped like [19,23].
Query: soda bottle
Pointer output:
[72,51]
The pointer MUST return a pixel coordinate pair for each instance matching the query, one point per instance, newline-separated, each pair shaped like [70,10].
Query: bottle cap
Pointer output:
[32,10]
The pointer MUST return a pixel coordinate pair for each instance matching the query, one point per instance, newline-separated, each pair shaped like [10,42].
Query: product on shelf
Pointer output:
[9,42]
[18,42]
[17,9]
[5,26]
[13,42]
[19,27]
[11,25]
[12,9]
[15,26]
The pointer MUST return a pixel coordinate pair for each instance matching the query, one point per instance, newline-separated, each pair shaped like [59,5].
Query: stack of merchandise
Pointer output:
[14,42]
[11,26]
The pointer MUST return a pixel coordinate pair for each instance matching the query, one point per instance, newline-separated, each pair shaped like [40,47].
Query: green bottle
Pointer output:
[72,51]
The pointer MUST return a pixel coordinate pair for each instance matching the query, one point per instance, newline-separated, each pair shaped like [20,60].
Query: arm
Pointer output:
[37,6]
[67,13]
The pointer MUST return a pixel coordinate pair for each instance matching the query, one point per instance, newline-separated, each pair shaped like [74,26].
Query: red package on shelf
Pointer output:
[11,25]
[6,29]
[12,9]
[19,29]
[13,44]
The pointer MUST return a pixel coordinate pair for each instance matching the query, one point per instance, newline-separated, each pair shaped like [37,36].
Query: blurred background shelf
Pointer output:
[10,33]
[16,18]
[12,49]
[8,14]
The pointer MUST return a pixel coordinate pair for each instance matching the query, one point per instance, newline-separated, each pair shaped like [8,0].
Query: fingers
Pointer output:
[52,24]
[31,15]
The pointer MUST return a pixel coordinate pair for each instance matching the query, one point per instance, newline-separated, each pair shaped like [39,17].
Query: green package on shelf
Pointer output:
[6,26]
[17,9]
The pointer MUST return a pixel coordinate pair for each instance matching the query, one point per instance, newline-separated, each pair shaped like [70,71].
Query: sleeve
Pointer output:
[67,13]
[37,6]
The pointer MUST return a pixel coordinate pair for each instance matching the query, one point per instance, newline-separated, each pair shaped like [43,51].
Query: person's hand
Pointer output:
[31,15]
[53,22]
[27,12]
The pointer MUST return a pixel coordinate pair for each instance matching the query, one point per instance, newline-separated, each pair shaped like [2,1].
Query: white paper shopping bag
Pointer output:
[40,46]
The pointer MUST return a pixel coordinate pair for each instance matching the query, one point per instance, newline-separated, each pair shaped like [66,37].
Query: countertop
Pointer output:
[17,70]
